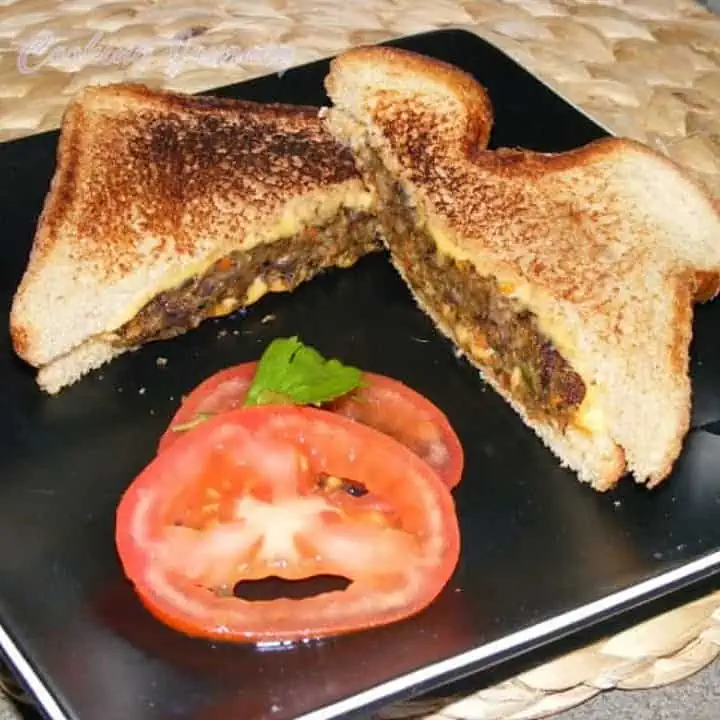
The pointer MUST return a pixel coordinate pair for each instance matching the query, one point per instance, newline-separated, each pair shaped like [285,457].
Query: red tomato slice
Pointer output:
[383,403]
[268,492]
[396,410]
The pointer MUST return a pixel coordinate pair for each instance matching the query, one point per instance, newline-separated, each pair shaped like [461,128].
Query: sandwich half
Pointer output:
[167,209]
[567,279]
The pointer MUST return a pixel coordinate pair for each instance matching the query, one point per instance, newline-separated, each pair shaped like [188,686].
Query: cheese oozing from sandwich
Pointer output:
[295,217]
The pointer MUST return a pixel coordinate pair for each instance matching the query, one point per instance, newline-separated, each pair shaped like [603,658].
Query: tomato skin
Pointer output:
[223,391]
[399,411]
[383,403]
[396,571]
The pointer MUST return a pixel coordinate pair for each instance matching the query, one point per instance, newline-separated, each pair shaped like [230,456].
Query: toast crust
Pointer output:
[608,245]
[406,65]
[149,184]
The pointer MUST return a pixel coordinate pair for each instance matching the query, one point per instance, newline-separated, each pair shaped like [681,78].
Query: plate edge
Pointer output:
[555,628]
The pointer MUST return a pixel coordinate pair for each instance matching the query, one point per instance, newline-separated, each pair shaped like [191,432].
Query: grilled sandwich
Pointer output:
[167,209]
[567,279]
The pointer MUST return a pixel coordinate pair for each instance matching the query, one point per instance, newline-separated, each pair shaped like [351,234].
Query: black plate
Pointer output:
[542,554]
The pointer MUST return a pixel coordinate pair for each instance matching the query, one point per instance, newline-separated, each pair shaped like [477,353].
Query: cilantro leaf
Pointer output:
[293,372]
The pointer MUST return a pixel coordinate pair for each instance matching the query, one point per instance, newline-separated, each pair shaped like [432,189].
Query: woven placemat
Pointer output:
[663,650]
[646,69]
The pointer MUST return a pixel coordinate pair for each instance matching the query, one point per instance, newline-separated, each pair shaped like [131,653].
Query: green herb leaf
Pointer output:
[296,373]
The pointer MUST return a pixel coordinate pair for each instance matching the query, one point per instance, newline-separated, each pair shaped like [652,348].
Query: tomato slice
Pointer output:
[291,493]
[396,410]
[382,403]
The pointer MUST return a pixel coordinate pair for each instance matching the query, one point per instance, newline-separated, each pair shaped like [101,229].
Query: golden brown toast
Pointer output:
[594,256]
[151,190]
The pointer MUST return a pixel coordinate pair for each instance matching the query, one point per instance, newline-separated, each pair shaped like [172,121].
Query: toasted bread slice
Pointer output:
[581,265]
[155,193]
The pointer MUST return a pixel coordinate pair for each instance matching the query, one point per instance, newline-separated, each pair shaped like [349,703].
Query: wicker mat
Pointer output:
[647,69]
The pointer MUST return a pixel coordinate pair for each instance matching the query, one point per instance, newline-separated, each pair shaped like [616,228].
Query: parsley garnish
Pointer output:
[293,372]
[290,372]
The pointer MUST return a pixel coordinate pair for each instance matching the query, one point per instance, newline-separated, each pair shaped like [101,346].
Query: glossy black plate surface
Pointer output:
[537,545]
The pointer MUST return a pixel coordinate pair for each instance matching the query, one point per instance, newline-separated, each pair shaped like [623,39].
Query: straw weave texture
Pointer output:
[647,69]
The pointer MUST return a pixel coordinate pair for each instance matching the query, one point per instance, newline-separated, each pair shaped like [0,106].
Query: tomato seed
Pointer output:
[332,483]
[354,488]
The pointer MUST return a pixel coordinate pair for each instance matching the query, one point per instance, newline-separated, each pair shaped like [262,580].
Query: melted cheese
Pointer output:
[295,218]
[257,289]
[589,416]
[225,307]
[524,292]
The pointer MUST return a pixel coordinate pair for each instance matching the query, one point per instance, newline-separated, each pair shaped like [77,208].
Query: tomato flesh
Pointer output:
[396,410]
[263,492]
[381,403]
